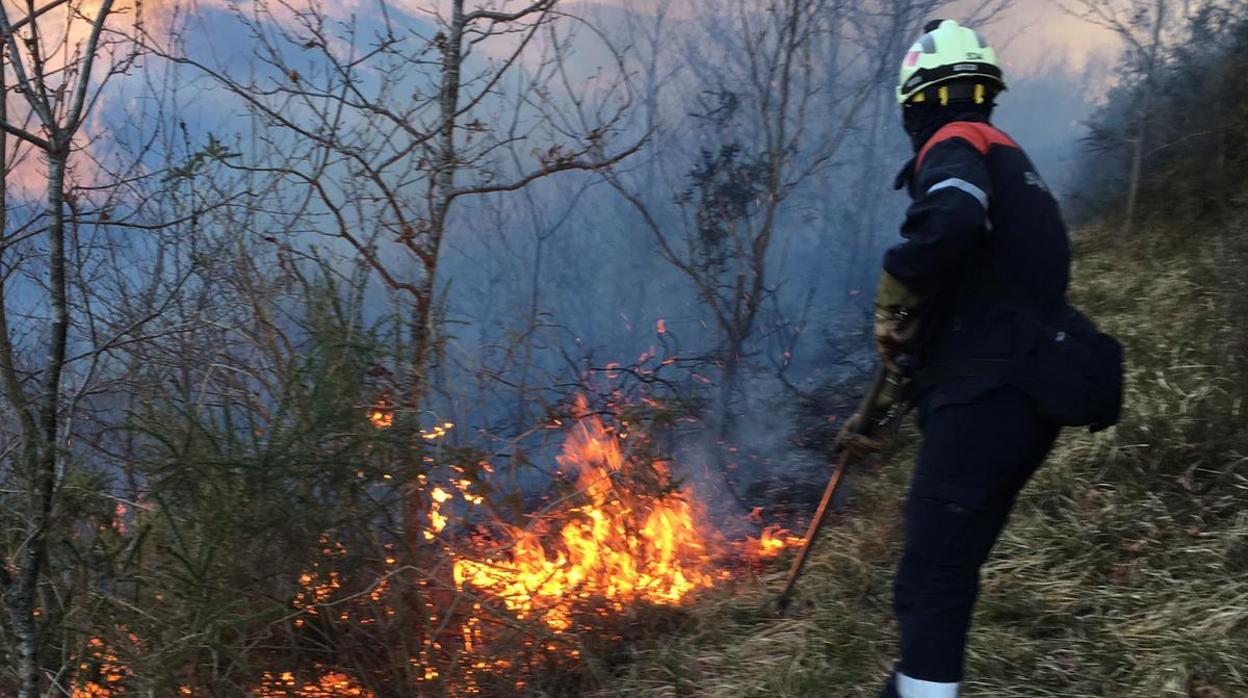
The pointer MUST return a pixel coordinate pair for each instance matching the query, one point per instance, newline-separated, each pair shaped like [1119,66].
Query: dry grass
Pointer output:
[1124,571]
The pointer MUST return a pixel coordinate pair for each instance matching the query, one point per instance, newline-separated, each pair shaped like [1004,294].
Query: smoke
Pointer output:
[567,277]
[546,287]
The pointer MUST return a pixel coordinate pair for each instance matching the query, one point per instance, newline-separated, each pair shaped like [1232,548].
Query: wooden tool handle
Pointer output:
[825,504]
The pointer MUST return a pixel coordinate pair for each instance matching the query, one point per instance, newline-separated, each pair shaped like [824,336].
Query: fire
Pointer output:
[105,671]
[381,418]
[610,542]
[625,534]
[437,432]
[329,685]
[772,542]
[437,520]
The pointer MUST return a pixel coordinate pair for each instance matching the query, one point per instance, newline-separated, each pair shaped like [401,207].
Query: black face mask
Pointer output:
[922,121]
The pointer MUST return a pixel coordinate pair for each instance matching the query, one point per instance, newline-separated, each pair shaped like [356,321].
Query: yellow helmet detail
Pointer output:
[948,51]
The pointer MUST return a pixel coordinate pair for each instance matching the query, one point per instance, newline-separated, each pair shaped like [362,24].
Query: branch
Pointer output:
[559,166]
[80,92]
[13,389]
[189,217]
[1097,14]
[35,15]
[502,69]
[504,17]
[705,289]
[25,135]
[344,228]
[19,70]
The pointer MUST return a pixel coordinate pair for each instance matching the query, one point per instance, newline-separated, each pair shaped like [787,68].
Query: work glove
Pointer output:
[864,434]
[859,440]
[896,323]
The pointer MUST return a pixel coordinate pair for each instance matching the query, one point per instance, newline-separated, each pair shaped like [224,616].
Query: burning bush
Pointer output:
[487,607]
[626,534]
[619,539]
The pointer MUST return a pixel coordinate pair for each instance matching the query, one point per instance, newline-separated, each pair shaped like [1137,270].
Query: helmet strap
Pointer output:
[957,93]
[940,104]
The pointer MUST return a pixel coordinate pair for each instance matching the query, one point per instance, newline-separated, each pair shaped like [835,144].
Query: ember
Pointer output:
[330,685]
[108,672]
[382,415]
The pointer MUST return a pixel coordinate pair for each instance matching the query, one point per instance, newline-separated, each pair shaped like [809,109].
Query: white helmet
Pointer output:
[949,52]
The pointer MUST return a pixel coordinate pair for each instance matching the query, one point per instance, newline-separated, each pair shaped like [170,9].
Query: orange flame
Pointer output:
[329,685]
[382,418]
[613,542]
[617,545]
[437,519]
[772,542]
[437,432]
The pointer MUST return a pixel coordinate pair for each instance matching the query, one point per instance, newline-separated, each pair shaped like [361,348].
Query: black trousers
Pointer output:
[974,460]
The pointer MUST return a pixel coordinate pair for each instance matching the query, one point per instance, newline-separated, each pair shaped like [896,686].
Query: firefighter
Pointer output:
[984,250]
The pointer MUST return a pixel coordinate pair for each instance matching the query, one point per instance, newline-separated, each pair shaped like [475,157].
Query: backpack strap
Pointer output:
[981,136]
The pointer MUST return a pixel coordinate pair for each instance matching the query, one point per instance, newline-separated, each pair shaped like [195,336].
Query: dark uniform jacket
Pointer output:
[986,248]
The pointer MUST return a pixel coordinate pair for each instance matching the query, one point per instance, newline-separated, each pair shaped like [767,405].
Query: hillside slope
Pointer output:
[1124,571]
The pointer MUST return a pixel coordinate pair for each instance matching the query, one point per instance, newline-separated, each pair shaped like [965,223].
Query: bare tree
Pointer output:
[50,67]
[1144,27]
[759,85]
[382,132]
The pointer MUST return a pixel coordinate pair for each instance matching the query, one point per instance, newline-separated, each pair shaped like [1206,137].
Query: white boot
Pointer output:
[918,688]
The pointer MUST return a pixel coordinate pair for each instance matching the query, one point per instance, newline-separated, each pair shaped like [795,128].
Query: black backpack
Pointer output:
[1072,370]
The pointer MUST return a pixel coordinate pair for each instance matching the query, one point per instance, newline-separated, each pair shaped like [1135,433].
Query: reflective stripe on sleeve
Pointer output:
[962,185]
[917,688]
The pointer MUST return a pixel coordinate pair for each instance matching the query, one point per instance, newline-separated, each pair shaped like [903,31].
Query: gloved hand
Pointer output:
[895,330]
[864,434]
[860,439]
[896,325]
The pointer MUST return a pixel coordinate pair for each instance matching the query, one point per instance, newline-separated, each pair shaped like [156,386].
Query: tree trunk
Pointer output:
[725,421]
[1137,165]
[1141,125]
[443,190]
[424,334]
[424,338]
[41,456]
[727,393]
